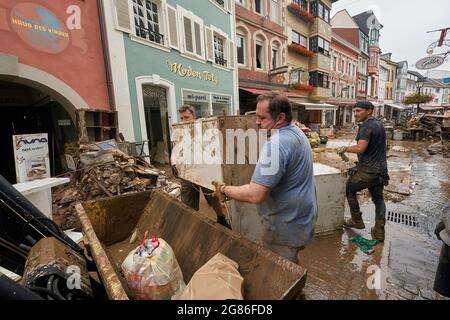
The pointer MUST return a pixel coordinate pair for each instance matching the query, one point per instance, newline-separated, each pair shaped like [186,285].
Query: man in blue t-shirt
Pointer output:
[371,171]
[282,185]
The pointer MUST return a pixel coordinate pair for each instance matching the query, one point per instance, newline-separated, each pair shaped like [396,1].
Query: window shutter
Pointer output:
[289,31]
[188,38]
[209,44]
[198,40]
[229,5]
[123,22]
[232,55]
[174,42]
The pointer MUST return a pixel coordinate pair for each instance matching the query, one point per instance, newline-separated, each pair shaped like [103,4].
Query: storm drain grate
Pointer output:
[403,218]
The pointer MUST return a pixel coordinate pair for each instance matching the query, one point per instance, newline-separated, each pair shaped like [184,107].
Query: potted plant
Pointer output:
[301,50]
[300,12]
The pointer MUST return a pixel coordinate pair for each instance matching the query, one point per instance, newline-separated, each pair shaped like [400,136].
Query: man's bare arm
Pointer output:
[251,193]
[360,148]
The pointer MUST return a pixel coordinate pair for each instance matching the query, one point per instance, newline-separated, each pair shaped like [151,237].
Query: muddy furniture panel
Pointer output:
[196,239]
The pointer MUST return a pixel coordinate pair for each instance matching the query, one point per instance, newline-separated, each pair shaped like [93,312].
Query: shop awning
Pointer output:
[262,91]
[317,106]
[396,106]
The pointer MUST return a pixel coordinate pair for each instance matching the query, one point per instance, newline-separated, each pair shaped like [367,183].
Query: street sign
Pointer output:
[430,62]
[447,80]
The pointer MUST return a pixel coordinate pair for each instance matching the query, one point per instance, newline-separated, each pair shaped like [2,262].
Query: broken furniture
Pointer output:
[114,226]
[39,192]
[22,225]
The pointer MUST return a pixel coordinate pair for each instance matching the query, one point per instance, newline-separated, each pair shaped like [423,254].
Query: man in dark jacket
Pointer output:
[442,279]
[371,171]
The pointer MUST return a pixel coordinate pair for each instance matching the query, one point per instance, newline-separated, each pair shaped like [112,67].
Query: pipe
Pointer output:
[107,60]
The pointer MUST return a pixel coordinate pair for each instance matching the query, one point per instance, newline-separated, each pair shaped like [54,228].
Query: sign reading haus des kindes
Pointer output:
[31,157]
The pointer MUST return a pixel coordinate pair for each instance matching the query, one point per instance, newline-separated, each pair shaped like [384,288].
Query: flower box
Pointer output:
[301,50]
[300,12]
[303,87]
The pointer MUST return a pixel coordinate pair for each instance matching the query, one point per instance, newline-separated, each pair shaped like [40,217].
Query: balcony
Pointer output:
[322,28]
[301,13]
[321,62]
[319,93]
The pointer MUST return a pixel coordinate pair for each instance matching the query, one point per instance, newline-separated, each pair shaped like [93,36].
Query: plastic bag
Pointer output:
[152,271]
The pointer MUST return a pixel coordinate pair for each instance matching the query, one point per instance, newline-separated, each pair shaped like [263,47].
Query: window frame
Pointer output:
[162,24]
[278,6]
[182,14]
[315,77]
[320,10]
[241,36]
[295,33]
[314,41]
[262,6]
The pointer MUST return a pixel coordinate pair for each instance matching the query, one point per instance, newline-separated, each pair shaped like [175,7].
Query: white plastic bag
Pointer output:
[152,271]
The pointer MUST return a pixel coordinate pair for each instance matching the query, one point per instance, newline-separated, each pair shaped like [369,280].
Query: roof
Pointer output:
[435,83]
[414,73]
[361,20]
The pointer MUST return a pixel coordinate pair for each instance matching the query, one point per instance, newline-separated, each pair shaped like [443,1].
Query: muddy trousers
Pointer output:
[360,181]
[442,279]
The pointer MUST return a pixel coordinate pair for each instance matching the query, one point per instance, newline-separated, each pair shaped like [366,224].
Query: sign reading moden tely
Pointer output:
[188,72]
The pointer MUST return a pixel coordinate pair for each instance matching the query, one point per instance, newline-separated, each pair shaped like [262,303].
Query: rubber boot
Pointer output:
[356,222]
[378,231]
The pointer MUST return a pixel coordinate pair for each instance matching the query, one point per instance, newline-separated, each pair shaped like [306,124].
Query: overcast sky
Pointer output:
[406,23]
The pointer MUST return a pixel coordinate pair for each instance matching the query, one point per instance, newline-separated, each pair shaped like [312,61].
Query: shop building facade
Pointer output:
[164,54]
[51,67]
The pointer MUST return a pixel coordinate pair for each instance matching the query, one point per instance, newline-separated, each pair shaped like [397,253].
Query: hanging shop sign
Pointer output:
[43,30]
[221,99]
[430,62]
[188,72]
[31,157]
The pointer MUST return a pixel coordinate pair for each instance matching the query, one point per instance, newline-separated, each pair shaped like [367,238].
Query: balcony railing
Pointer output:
[150,34]
[221,61]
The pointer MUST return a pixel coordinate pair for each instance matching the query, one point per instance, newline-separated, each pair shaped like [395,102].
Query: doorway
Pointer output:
[25,110]
[157,122]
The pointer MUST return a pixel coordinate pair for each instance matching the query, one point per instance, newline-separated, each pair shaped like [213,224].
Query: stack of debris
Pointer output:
[106,172]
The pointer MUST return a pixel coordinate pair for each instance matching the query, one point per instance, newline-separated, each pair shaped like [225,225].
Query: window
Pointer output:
[259,6]
[335,64]
[192,34]
[240,45]
[342,66]
[299,39]
[333,89]
[275,11]
[220,3]
[318,44]
[318,9]
[241,2]
[219,51]
[319,79]
[275,56]
[259,50]
[147,20]
[302,3]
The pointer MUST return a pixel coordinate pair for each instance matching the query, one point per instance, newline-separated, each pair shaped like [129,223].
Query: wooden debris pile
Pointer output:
[106,173]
